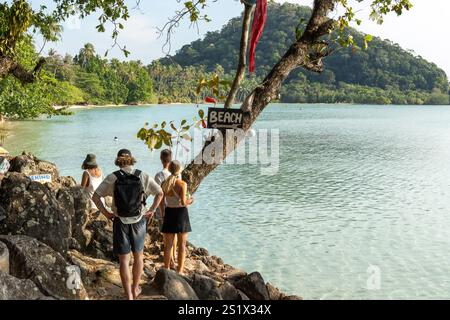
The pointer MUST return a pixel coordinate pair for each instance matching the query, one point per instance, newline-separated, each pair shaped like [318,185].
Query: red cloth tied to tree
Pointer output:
[210,100]
[259,21]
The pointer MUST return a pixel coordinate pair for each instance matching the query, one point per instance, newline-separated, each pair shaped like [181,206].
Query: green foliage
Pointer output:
[19,101]
[85,79]
[384,64]
[159,134]
[306,92]
[173,83]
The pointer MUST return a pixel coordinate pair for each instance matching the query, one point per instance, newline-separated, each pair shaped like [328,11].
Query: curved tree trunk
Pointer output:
[298,55]
[240,73]
[9,66]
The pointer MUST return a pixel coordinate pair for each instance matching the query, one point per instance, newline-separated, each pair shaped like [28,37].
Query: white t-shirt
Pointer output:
[162,176]
[106,189]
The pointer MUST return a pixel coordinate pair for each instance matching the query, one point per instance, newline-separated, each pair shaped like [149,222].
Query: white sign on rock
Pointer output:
[41,178]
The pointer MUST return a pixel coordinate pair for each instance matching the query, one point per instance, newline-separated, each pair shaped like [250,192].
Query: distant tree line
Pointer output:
[383,74]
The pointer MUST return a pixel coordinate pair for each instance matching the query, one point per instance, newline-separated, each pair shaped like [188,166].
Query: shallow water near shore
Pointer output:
[358,210]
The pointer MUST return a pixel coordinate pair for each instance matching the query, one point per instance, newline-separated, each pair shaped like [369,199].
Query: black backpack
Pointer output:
[128,194]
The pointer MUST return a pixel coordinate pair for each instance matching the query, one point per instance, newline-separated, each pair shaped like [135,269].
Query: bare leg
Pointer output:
[168,244]
[138,269]
[125,275]
[182,238]
[174,251]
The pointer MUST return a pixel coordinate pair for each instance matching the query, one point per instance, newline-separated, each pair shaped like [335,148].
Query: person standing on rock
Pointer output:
[176,217]
[92,176]
[129,189]
[166,158]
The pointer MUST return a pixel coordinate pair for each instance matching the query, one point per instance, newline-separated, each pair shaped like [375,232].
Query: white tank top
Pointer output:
[94,182]
[174,201]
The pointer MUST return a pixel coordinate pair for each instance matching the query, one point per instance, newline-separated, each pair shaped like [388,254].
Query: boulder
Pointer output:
[33,260]
[28,164]
[196,266]
[229,292]
[199,252]
[234,275]
[291,298]
[173,286]
[12,288]
[32,209]
[101,244]
[92,270]
[206,288]
[2,213]
[253,286]
[75,200]
[4,258]
[274,292]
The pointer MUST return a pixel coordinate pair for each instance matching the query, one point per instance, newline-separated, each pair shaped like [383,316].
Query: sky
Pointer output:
[424,29]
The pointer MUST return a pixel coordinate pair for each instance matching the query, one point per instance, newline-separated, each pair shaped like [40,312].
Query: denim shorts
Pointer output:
[129,237]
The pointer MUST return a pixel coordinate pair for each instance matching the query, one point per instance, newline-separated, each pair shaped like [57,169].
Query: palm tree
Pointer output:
[85,55]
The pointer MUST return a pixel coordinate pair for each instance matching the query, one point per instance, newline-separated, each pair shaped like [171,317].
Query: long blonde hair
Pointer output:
[175,168]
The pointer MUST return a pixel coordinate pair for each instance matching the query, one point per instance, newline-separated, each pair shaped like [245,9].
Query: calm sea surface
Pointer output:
[359,209]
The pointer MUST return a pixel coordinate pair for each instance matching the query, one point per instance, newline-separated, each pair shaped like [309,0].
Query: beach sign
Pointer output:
[41,178]
[221,118]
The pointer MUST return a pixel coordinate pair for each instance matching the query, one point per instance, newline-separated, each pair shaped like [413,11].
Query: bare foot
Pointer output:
[180,272]
[137,292]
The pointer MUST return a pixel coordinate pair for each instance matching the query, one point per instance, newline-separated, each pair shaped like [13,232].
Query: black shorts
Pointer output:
[176,220]
[129,237]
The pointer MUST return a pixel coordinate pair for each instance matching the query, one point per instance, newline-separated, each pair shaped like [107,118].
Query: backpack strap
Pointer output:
[119,174]
[137,173]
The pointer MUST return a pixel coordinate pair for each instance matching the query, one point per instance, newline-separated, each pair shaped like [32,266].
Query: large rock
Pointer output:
[12,288]
[28,164]
[4,258]
[2,213]
[75,200]
[253,286]
[229,292]
[31,259]
[206,288]
[32,209]
[173,286]
[101,244]
[92,270]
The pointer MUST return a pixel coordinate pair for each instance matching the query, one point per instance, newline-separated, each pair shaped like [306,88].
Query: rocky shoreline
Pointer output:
[49,241]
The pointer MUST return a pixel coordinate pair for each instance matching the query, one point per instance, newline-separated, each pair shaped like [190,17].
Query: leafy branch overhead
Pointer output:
[158,135]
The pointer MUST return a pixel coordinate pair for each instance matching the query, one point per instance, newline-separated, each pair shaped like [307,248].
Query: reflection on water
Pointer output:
[358,186]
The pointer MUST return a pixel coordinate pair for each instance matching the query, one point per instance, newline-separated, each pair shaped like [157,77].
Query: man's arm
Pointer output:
[162,207]
[156,202]
[98,202]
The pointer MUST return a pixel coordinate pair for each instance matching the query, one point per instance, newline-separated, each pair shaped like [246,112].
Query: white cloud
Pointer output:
[139,30]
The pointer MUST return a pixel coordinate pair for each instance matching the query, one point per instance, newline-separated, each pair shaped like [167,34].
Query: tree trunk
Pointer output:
[9,66]
[297,55]
[240,73]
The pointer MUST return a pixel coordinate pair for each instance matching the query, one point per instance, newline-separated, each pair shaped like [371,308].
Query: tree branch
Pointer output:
[10,66]
[299,54]
[240,73]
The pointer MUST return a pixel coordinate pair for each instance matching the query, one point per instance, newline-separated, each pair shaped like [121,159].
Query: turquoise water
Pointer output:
[360,189]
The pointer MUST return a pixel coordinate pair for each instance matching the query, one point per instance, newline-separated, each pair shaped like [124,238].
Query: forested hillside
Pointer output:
[383,74]
[384,65]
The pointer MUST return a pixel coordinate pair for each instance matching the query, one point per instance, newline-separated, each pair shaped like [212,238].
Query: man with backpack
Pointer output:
[129,189]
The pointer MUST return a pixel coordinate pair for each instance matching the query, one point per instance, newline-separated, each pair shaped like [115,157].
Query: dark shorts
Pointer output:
[129,237]
[176,220]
